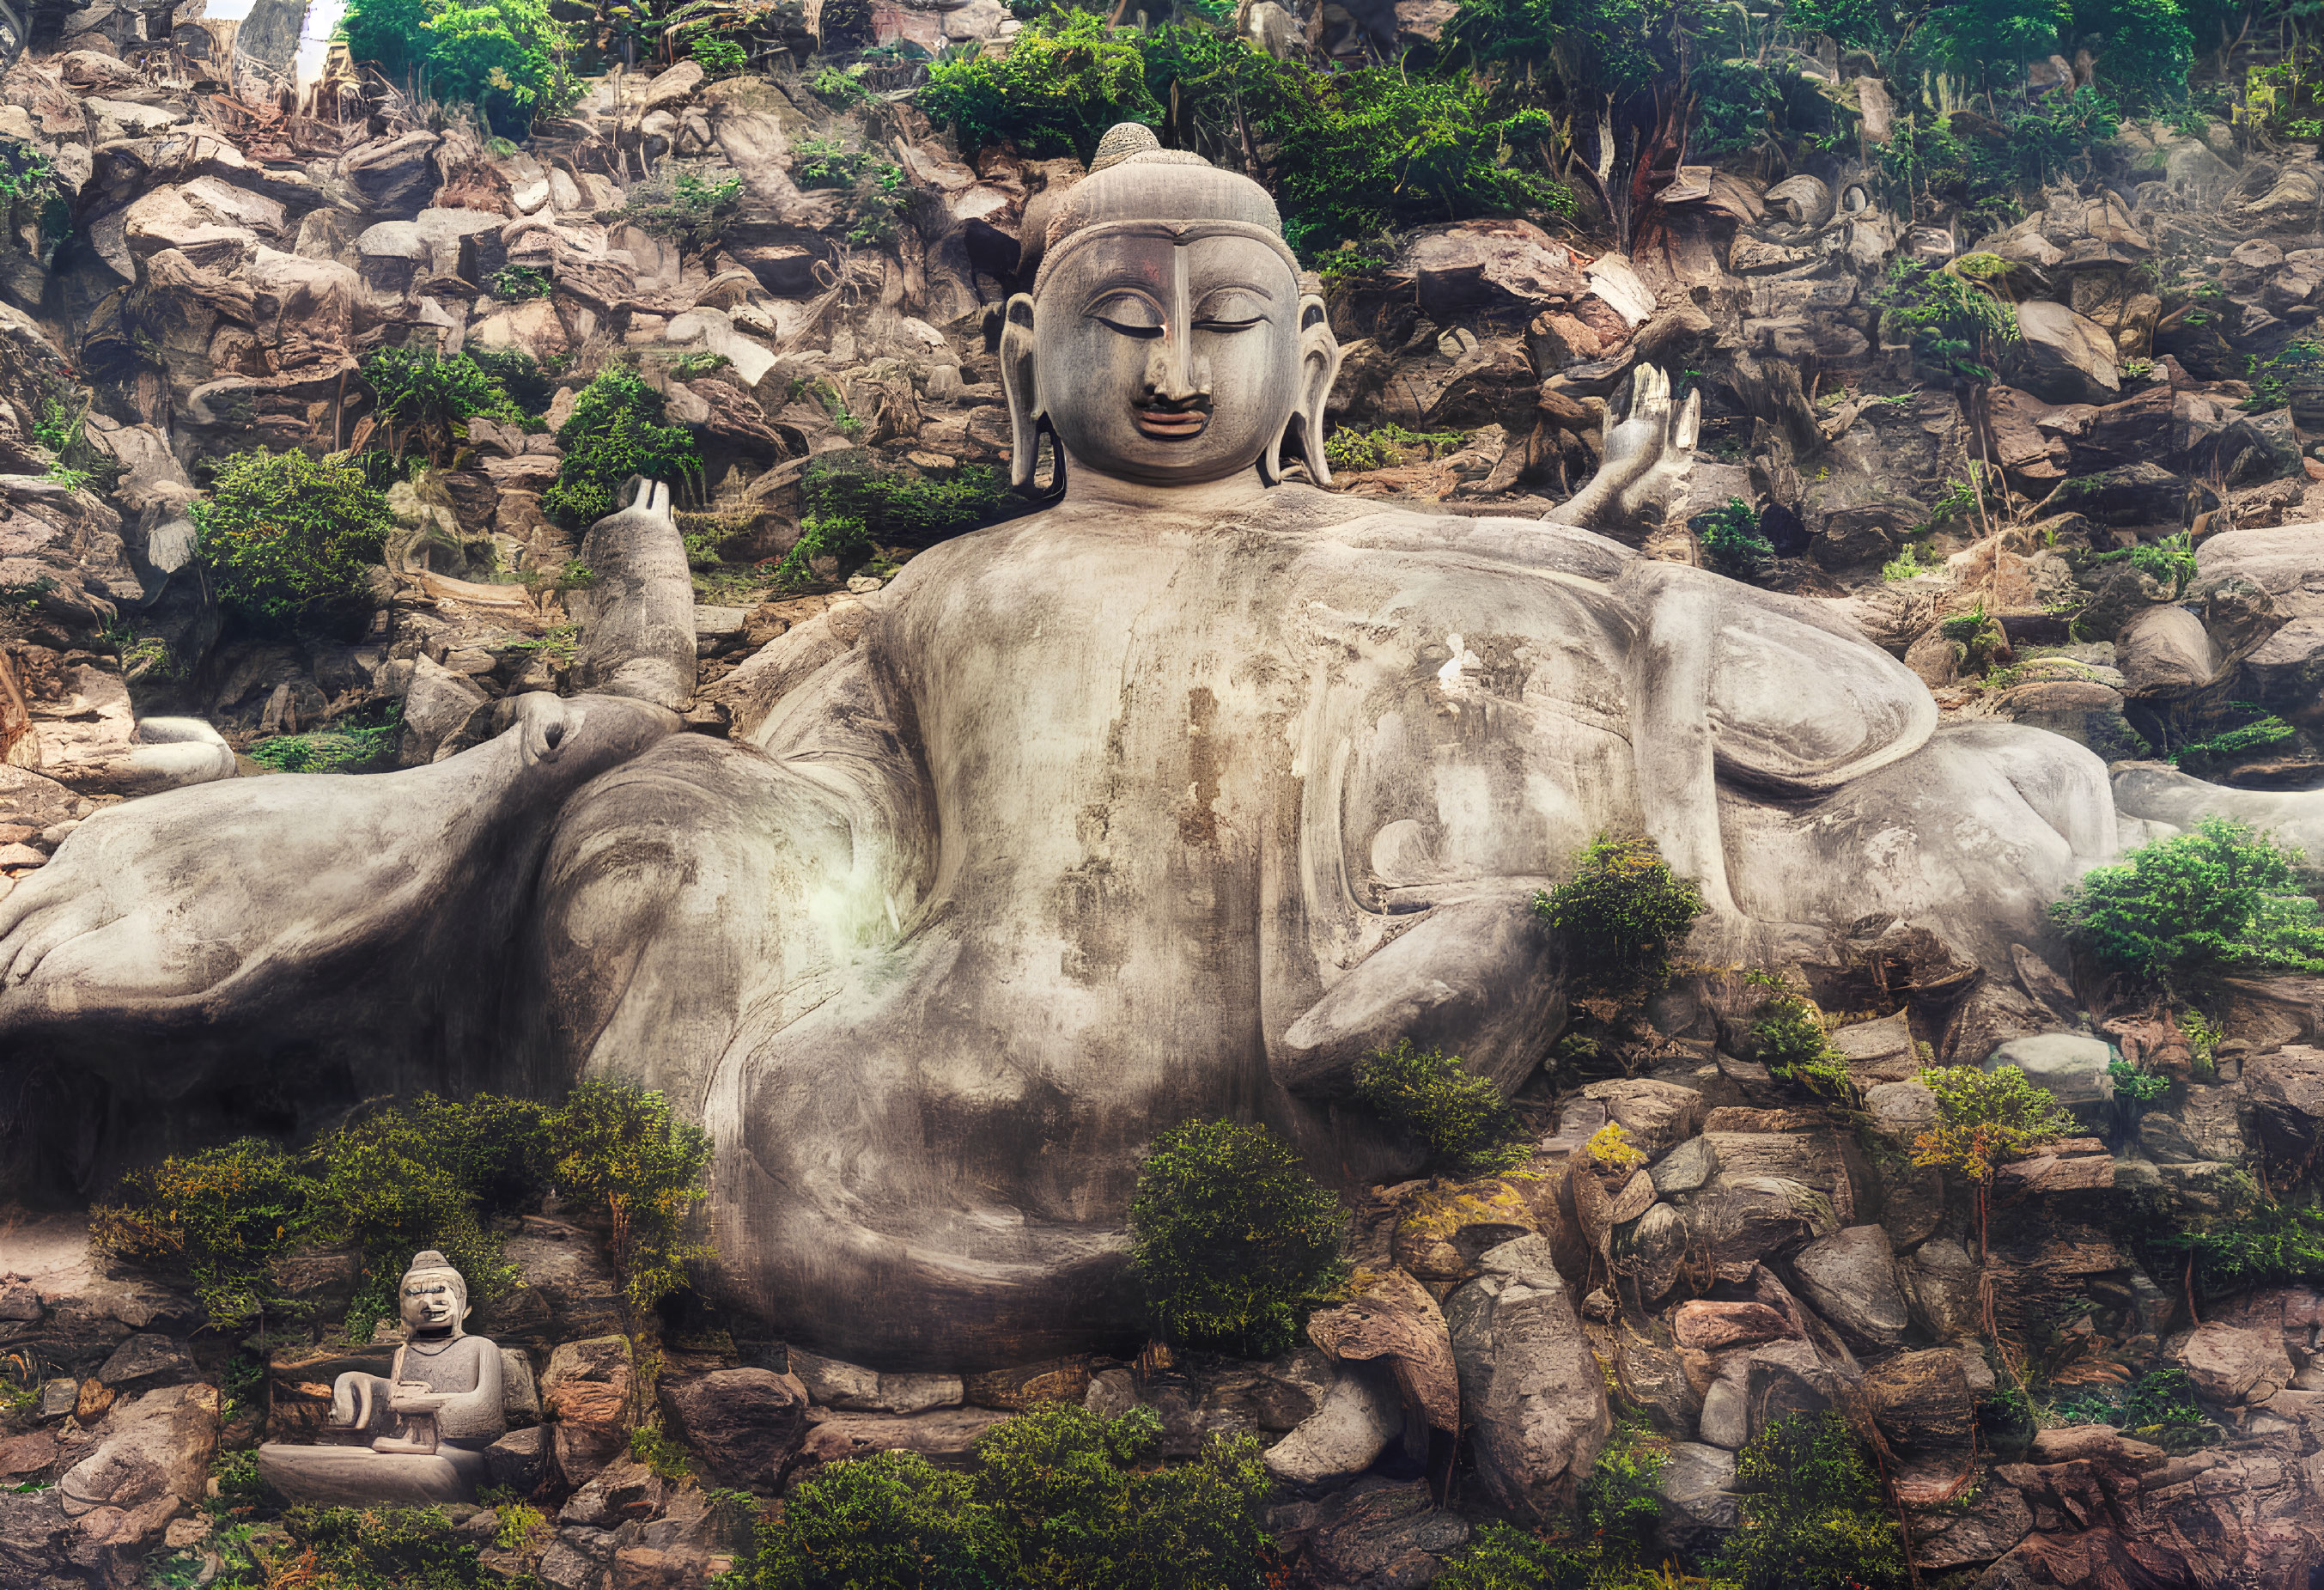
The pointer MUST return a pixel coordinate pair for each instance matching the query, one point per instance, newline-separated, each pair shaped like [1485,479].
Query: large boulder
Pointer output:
[2167,652]
[2063,356]
[744,1423]
[1362,1414]
[1851,1276]
[1383,1536]
[1699,1500]
[1529,1382]
[586,1394]
[2071,1066]
[1476,269]
[2233,1363]
[396,177]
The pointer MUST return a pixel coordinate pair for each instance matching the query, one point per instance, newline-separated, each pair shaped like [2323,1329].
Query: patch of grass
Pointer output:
[344,748]
[1353,450]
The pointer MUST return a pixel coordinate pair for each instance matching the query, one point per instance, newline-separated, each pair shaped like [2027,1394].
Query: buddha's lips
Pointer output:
[1172,424]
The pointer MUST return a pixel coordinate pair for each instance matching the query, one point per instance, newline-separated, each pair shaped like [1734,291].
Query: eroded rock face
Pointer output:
[1529,1382]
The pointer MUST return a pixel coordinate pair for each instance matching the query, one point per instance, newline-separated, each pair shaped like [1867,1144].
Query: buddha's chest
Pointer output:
[451,1368]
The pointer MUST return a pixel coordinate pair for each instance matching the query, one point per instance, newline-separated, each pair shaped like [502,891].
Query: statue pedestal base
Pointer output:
[357,1476]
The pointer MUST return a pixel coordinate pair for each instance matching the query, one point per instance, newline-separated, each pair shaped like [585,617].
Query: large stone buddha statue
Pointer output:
[1172,801]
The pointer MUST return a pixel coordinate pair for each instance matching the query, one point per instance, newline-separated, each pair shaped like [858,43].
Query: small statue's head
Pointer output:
[1166,339]
[432,1295]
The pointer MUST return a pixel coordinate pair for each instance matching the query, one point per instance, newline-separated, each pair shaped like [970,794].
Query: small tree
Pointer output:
[428,401]
[1985,1119]
[1619,916]
[618,1150]
[1468,1126]
[2223,898]
[1233,1242]
[290,542]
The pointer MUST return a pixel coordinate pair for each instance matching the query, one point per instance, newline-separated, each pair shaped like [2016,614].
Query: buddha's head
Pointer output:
[1166,339]
[432,1299]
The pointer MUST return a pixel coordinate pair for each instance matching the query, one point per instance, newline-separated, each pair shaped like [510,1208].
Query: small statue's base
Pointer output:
[357,1476]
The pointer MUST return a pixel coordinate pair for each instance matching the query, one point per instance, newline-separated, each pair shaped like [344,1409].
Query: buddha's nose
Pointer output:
[1173,373]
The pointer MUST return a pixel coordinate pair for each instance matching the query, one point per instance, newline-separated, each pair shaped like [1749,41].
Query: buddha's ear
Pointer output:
[1017,382]
[1319,368]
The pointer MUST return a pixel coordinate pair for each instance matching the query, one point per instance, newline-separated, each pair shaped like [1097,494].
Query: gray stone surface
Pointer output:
[1851,1278]
[1699,1501]
[1528,1383]
[1362,1414]
[2071,1066]
[1685,1168]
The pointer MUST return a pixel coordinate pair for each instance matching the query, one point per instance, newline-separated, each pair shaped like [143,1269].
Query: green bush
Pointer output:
[719,58]
[225,1215]
[427,400]
[290,542]
[1468,1128]
[1621,1502]
[853,501]
[1788,1038]
[1620,916]
[1063,1499]
[2269,1242]
[1232,1242]
[531,385]
[343,748]
[2264,732]
[2158,1403]
[1063,81]
[616,433]
[1350,451]
[2222,898]
[1812,1513]
[1985,1119]
[1603,1545]
[620,1151]
[518,284]
[1957,326]
[694,210]
[1732,541]
[505,57]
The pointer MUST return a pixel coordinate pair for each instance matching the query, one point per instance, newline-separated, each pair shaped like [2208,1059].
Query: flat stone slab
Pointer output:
[357,1476]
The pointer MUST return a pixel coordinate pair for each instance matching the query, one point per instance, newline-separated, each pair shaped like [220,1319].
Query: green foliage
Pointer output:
[1063,1499]
[2134,1086]
[650,1446]
[2269,1242]
[1956,325]
[1812,1515]
[505,57]
[224,1214]
[2144,46]
[890,1521]
[839,89]
[1063,81]
[2204,757]
[2170,561]
[378,1548]
[2160,1402]
[2223,898]
[694,210]
[692,367]
[1732,542]
[518,284]
[614,434]
[237,1484]
[855,502]
[1468,1126]
[1907,565]
[1352,450]
[1232,1242]
[620,1151]
[1587,45]
[1986,1119]
[343,748]
[826,162]
[1603,1546]
[719,58]
[529,385]
[430,399]
[288,541]
[1787,1036]
[1853,25]
[1620,916]
[1976,39]
[1621,1502]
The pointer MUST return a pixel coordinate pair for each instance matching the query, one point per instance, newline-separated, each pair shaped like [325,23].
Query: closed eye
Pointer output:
[1235,308]
[1132,314]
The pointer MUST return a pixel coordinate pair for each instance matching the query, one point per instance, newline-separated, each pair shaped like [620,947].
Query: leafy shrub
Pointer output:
[224,1214]
[837,88]
[2270,1242]
[1501,1556]
[719,58]
[1061,83]
[2144,47]
[529,385]
[1956,324]
[692,208]
[378,1548]
[2170,561]
[619,1150]
[1609,1149]
[2159,1401]
[1620,915]
[853,501]
[1350,451]
[1467,1124]
[430,399]
[290,542]
[1231,1240]
[2137,1086]
[1732,542]
[2224,898]
[1621,1502]
[650,1446]
[348,748]
[1788,1037]
[614,435]
[518,284]
[1063,1499]
[1906,565]
[1813,1518]
[2264,732]
[502,56]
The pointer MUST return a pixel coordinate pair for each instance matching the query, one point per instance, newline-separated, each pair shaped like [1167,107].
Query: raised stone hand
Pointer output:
[1649,456]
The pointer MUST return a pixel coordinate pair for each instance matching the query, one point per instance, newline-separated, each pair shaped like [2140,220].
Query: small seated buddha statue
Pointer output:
[440,1405]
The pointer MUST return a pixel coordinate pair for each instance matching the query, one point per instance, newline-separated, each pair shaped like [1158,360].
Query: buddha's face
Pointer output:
[1168,354]
[431,1301]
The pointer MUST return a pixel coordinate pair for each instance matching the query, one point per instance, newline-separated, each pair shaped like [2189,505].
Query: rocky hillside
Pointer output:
[2064,468]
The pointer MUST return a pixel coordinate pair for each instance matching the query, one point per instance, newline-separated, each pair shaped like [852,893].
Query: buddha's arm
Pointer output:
[479,1413]
[357,1399]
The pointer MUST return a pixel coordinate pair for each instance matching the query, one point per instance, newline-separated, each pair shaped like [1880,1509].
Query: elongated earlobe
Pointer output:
[1319,369]
[1017,382]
